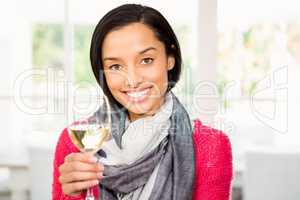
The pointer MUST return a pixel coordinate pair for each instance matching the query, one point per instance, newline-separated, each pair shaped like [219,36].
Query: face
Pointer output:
[136,69]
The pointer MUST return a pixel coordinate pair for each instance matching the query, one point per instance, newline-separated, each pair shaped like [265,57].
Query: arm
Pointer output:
[63,148]
[213,164]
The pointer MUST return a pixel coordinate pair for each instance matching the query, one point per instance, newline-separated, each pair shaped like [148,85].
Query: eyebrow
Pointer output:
[141,52]
[148,49]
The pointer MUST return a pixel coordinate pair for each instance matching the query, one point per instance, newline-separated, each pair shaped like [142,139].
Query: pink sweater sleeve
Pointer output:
[63,148]
[213,164]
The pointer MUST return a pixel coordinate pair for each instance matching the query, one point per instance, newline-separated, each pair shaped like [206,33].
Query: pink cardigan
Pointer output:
[213,157]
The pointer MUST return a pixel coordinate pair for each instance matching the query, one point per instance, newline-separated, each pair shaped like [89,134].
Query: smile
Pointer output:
[138,96]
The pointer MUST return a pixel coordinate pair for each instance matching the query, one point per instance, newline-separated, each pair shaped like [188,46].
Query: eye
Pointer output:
[115,67]
[147,61]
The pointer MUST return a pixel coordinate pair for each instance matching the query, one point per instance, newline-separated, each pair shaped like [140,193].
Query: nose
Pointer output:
[134,78]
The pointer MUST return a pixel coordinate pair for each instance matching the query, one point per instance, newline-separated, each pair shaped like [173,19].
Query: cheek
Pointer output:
[114,81]
[159,78]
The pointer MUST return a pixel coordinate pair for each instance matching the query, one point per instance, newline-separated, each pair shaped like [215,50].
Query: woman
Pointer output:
[155,152]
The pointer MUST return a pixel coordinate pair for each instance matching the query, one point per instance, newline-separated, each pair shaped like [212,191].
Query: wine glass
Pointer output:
[90,132]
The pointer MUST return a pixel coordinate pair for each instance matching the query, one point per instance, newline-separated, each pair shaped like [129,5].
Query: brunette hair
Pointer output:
[125,15]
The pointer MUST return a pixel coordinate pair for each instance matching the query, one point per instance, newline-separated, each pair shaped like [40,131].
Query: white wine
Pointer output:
[89,138]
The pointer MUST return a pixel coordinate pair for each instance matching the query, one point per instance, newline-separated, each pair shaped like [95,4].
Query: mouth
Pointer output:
[138,96]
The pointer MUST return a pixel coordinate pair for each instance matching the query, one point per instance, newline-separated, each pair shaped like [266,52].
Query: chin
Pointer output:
[139,110]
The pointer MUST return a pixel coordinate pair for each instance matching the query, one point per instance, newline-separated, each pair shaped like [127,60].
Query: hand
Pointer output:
[79,171]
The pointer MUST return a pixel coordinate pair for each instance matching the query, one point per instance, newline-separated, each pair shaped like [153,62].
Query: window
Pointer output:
[258,59]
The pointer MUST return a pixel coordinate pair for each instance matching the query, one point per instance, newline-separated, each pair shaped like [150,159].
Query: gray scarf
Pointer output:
[175,176]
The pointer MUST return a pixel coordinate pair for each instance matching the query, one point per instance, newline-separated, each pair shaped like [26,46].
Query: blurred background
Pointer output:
[241,75]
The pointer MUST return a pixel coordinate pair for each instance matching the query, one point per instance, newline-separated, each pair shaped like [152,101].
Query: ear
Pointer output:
[171,62]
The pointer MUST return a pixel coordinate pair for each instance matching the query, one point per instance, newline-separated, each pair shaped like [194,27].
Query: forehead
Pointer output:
[129,39]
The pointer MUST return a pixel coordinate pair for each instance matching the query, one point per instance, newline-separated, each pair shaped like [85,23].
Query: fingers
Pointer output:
[80,166]
[79,171]
[73,188]
[83,157]
[80,176]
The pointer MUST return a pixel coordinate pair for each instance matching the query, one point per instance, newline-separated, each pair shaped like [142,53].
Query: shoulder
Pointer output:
[64,145]
[205,136]
[213,162]
[212,147]
[65,140]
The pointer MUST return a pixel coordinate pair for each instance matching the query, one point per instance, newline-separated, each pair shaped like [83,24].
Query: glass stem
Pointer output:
[89,194]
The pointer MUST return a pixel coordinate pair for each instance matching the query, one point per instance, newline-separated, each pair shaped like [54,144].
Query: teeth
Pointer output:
[137,94]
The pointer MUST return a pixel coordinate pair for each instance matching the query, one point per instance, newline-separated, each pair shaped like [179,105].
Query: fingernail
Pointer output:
[99,175]
[95,182]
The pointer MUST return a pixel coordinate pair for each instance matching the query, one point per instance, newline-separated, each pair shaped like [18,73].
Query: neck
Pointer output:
[134,116]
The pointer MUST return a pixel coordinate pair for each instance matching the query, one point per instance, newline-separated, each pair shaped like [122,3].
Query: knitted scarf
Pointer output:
[172,160]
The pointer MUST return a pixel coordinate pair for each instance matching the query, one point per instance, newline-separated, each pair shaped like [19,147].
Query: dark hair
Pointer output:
[127,14]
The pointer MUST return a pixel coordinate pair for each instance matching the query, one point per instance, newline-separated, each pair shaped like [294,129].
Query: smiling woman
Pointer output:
[156,151]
